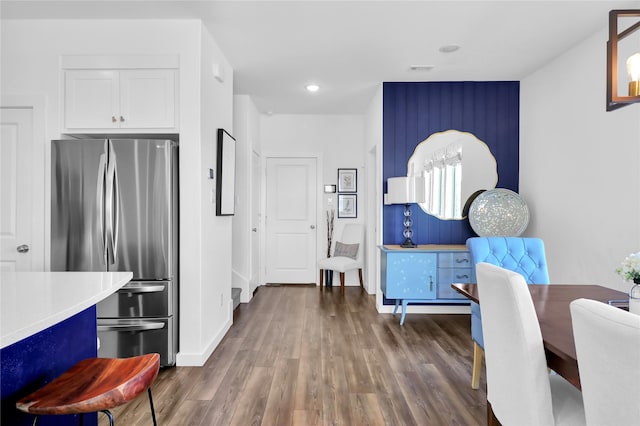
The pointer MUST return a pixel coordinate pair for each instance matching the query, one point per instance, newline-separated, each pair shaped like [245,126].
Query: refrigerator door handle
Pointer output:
[144,326]
[115,232]
[100,203]
[110,202]
[143,289]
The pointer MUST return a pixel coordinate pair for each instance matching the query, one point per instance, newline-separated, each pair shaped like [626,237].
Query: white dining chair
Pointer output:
[608,347]
[520,390]
[348,254]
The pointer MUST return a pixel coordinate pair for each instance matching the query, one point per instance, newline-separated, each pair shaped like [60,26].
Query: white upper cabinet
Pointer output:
[120,99]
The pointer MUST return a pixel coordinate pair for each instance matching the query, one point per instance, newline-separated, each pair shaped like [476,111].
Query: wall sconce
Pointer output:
[614,100]
[406,190]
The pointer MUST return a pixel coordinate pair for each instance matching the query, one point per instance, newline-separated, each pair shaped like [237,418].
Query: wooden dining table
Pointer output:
[552,307]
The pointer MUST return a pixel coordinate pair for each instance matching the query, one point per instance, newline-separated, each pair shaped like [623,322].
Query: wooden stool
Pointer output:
[94,384]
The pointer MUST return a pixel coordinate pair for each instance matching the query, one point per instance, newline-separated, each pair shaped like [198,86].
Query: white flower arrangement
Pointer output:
[630,268]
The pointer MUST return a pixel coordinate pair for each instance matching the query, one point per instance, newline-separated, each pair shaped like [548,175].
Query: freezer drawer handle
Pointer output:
[146,326]
[143,289]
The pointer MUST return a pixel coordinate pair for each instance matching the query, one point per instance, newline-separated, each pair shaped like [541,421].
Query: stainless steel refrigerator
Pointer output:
[115,208]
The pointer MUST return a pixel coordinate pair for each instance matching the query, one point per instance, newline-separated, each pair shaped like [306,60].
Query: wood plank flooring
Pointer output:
[298,356]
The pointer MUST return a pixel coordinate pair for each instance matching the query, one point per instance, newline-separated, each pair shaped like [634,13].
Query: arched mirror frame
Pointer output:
[465,168]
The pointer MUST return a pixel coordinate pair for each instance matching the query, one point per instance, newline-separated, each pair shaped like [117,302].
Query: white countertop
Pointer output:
[33,301]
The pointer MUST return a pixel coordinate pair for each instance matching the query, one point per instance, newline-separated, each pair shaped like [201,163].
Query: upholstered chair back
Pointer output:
[519,388]
[525,256]
[607,344]
[353,233]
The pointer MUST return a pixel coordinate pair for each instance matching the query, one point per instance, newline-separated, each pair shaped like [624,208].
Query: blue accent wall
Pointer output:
[35,361]
[413,111]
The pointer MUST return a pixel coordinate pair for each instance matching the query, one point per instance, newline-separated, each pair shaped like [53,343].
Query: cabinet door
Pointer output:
[91,99]
[147,99]
[411,275]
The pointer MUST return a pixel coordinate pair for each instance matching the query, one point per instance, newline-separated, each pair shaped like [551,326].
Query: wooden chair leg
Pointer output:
[342,283]
[321,278]
[360,276]
[477,365]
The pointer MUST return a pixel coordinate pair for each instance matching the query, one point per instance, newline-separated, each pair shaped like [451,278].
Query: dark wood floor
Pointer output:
[298,356]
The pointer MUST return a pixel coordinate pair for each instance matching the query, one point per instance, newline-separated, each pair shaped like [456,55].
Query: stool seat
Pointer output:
[94,384]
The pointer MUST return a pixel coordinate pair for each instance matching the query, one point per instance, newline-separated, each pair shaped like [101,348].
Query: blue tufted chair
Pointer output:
[523,255]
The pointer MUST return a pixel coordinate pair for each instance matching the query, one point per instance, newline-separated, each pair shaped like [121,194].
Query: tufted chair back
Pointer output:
[525,256]
[522,255]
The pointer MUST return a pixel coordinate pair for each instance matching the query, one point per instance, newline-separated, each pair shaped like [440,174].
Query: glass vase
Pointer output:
[634,298]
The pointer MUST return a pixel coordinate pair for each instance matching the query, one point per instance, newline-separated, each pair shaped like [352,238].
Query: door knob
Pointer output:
[23,248]
[313,227]
[254,229]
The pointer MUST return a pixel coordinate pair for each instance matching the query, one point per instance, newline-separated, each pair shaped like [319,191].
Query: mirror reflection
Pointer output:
[455,165]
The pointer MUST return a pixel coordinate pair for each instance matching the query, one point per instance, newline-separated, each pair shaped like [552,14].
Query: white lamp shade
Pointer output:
[405,189]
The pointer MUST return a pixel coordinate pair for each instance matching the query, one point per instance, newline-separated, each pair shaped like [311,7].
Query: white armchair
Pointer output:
[607,344]
[520,391]
[348,254]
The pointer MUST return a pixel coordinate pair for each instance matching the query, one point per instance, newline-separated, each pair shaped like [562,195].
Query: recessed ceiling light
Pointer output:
[449,48]
[312,88]
[421,67]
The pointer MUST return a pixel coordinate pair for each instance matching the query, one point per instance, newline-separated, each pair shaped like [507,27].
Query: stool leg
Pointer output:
[35,421]
[108,413]
[153,412]
[81,419]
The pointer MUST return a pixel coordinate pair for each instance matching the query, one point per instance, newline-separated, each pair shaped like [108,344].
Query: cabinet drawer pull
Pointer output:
[121,119]
[113,119]
[430,282]
[464,260]
[462,276]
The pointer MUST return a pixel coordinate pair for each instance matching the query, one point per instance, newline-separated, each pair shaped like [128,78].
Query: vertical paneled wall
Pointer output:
[413,111]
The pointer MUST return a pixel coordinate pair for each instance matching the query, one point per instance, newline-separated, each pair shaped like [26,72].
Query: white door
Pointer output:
[291,220]
[256,208]
[16,188]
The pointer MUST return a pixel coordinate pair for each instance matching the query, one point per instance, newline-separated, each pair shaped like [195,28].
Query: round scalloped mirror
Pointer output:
[456,166]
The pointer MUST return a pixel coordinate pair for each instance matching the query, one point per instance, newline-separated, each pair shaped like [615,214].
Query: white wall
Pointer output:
[339,141]
[246,131]
[373,155]
[212,312]
[31,51]
[579,167]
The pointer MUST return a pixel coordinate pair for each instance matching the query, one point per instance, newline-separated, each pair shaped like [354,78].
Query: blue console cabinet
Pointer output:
[424,274]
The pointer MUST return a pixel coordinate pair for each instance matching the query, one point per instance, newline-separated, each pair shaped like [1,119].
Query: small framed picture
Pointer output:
[347,180]
[347,205]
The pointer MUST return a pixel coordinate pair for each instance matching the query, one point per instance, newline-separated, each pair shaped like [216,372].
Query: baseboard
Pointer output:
[198,359]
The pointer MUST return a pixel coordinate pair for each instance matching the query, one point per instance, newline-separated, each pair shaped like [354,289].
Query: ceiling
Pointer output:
[349,47]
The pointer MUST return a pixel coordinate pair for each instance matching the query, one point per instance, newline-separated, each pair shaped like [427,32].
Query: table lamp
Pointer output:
[406,190]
